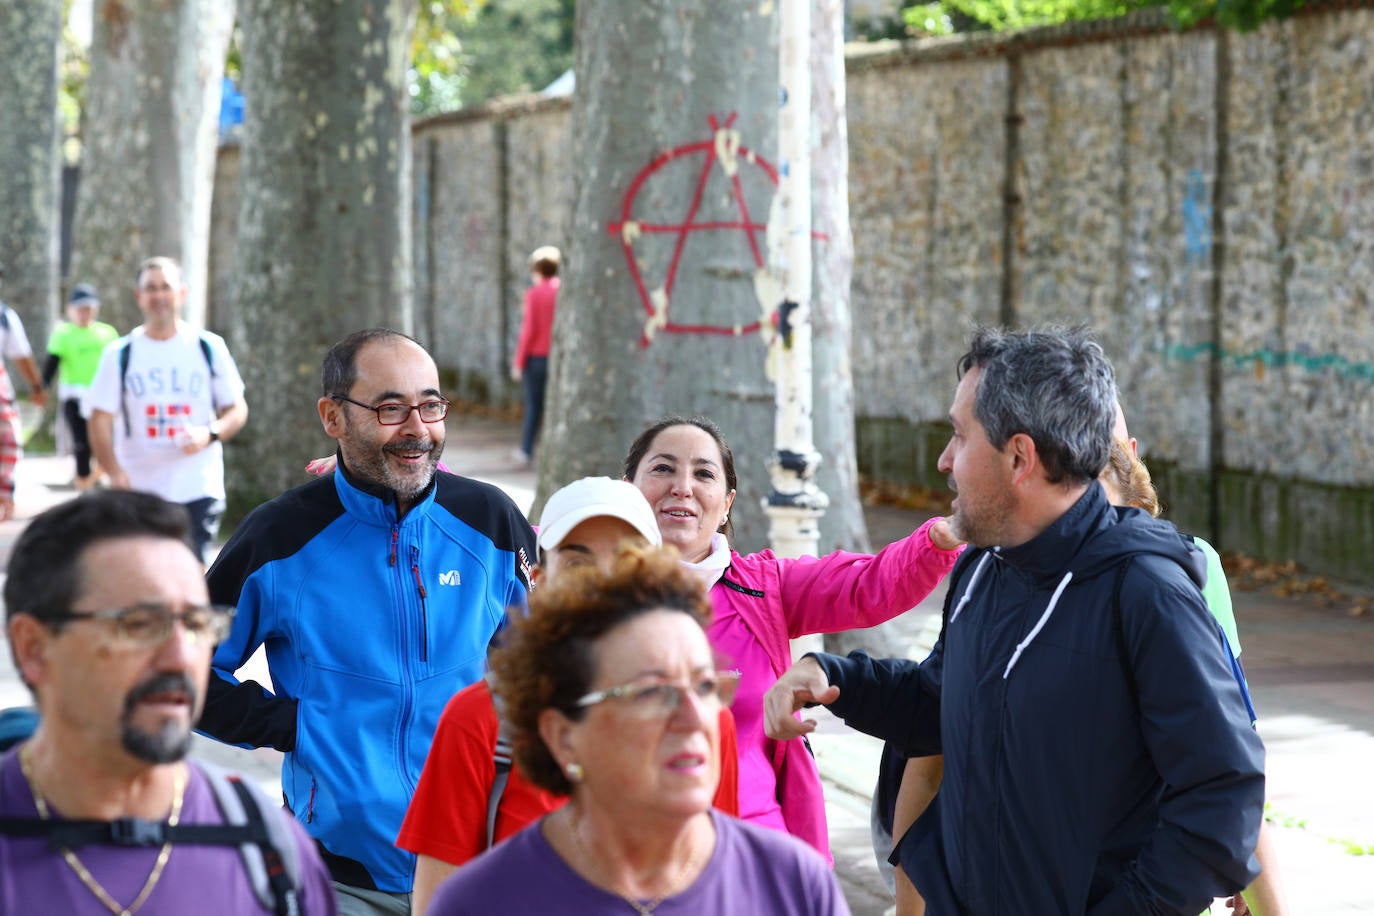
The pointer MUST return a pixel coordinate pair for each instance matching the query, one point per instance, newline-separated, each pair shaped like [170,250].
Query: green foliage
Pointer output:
[943,16]
[1280,819]
[1354,847]
[73,69]
[435,54]
[469,51]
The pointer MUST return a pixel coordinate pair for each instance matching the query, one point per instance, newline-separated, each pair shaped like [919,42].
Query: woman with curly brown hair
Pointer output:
[613,694]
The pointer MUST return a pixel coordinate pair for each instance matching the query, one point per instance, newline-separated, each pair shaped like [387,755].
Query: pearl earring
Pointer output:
[574,771]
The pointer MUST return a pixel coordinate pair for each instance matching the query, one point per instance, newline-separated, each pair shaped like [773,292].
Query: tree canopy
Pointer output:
[466,52]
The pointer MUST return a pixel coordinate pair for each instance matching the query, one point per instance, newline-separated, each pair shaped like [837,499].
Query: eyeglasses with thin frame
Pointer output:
[144,626]
[392,414]
[660,699]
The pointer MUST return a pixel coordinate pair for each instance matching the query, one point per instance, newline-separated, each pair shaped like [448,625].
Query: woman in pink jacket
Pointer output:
[686,471]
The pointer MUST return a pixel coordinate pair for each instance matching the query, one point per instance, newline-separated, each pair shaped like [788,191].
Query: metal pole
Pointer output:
[795,505]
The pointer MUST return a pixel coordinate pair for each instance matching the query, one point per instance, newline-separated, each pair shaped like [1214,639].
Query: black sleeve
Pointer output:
[886,698]
[50,369]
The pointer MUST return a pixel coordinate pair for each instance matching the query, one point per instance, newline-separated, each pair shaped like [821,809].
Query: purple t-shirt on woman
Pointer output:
[752,870]
[204,880]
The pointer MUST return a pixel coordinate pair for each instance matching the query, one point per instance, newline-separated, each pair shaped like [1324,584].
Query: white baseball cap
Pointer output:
[592,497]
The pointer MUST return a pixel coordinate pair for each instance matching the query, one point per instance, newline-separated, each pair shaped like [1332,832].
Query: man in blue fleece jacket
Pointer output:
[1099,756]
[376,591]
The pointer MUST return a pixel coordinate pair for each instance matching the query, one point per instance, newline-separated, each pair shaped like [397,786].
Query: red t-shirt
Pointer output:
[447,818]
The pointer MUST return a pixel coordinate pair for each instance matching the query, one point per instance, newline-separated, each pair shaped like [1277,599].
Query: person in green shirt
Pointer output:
[73,354]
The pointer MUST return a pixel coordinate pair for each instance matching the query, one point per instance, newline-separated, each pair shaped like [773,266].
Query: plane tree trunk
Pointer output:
[30,33]
[674,139]
[324,223]
[149,141]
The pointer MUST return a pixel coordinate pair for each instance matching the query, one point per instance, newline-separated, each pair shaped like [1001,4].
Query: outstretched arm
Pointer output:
[887,698]
[846,591]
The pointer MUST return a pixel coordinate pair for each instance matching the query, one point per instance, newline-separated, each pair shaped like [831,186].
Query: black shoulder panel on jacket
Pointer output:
[486,508]
[276,529]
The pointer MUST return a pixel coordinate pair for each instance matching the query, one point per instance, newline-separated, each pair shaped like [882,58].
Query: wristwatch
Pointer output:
[214,434]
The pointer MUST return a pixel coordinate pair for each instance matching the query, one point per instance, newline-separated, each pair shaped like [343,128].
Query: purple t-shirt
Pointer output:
[205,880]
[752,870]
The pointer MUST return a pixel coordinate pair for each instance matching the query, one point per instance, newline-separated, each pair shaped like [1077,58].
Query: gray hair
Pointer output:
[171,270]
[1055,385]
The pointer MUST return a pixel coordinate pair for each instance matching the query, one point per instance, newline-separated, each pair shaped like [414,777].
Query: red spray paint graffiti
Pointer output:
[722,150]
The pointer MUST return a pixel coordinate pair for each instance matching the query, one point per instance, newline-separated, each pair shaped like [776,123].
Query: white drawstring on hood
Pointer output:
[968,592]
[1039,624]
[1035,630]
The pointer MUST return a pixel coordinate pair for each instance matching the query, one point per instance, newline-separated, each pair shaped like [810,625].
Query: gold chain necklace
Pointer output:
[178,795]
[640,907]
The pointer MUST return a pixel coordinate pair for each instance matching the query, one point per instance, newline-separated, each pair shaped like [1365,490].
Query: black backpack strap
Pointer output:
[278,857]
[209,355]
[503,757]
[265,842]
[123,373]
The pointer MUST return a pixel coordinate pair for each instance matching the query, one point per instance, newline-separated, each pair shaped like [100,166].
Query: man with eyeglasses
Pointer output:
[164,399]
[109,625]
[376,591]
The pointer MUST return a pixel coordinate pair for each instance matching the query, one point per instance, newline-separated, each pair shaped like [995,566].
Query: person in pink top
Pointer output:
[531,360]
[686,470]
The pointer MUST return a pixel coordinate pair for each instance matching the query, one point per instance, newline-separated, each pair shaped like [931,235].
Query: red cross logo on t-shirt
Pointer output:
[165,420]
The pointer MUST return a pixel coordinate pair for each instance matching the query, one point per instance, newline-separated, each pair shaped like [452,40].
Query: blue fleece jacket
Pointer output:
[372,620]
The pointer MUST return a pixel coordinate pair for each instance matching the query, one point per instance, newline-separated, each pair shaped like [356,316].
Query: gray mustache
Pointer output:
[166,682]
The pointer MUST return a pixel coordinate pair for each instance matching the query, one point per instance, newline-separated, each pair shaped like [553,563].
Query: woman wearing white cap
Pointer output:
[457,810]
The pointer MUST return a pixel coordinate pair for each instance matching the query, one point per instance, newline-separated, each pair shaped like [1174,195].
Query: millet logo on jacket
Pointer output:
[450,578]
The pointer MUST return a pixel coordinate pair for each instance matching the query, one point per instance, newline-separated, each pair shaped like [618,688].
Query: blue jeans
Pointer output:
[536,377]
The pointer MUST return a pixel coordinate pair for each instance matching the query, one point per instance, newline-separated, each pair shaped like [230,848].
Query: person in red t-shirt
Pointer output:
[531,361]
[446,824]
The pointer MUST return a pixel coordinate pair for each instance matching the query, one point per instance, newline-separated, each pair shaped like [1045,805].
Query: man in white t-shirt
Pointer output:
[163,400]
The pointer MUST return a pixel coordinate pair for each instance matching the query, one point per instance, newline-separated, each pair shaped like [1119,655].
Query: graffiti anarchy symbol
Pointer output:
[723,151]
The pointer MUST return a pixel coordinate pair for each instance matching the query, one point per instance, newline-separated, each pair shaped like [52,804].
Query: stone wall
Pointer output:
[1204,199]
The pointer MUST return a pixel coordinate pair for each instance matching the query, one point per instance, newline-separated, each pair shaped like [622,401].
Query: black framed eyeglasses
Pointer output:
[392,414]
[144,626]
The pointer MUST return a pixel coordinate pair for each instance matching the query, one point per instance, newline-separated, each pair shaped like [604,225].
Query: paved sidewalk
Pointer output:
[1311,670]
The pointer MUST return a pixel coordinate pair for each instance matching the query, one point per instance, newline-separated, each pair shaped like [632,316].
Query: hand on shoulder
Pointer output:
[942,535]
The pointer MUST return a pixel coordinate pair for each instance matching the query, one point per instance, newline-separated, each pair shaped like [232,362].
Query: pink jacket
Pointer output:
[780,599]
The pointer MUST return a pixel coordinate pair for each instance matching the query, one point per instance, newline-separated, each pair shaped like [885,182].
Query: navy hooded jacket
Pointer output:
[1099,753]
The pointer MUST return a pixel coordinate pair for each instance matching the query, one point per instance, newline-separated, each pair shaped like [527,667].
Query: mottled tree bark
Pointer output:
[842,526]
[30,32]
[653,319]
[149,139]
[324,219]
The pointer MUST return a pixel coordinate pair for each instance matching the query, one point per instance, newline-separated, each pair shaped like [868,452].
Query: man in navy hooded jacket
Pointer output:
[1099,754]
